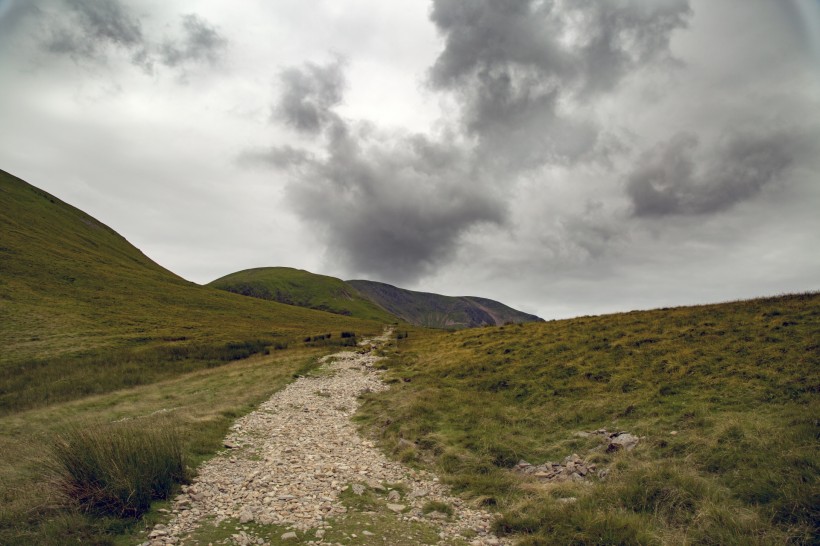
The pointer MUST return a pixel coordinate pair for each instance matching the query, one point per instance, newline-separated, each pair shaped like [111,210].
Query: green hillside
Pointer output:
[303,289]
[84,311]
[724,399]
[437,311]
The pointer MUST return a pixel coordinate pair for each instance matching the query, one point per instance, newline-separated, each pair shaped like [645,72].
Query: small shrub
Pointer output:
[118,469]
[437,506]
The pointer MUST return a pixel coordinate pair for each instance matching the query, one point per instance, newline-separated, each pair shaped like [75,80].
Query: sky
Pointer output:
[565,157]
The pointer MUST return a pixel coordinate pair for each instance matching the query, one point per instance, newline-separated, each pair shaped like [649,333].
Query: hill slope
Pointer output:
[437,311]
[78,300]
[723,400]
[303,289]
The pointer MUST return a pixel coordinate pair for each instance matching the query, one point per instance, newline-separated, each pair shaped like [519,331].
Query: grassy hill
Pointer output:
[85,312]
[304,289]
[723,397]
[437,311]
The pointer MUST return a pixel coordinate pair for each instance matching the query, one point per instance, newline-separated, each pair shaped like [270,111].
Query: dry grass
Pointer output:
[200,406]
[725,396]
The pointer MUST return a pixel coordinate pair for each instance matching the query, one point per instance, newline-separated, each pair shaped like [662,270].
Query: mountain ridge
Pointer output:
[301,288]
[439,311]
[368,299]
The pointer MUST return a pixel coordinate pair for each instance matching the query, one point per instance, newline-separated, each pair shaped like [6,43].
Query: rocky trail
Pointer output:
[296,471]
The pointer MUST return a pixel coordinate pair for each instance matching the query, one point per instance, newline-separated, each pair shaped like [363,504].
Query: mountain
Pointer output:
[78,301]
[437,311]
[304,289]
[368,299]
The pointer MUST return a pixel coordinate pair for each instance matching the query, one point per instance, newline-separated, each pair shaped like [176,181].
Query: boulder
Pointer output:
[623,441]
[245,515]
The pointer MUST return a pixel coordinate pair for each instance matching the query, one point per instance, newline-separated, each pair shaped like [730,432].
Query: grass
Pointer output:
[723,396]
[303,289]
[92,314]
[355,528]
[200,406]
[117,469]
[437,506]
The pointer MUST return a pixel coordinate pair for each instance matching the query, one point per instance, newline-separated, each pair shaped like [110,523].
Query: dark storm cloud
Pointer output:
[387,204]
[674,178]
[394,206]
[514,62]
[88,30]
[397,205]
[309,95]
[201,42]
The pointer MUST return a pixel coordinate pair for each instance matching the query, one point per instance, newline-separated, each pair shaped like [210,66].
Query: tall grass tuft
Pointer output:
[118,469]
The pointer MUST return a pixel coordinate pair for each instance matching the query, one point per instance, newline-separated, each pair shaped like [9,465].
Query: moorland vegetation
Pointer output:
[119,378]
[724,399]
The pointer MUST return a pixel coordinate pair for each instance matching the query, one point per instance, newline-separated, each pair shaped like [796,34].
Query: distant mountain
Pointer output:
[437,311]
[368,299]
[303,289]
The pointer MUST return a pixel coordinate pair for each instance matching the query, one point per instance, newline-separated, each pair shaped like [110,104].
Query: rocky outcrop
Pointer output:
[572,468]
[576,468]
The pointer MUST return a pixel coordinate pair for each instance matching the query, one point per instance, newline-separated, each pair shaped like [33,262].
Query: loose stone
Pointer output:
[287,462]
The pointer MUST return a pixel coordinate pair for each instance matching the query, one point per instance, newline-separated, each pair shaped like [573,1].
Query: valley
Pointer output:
[505,421]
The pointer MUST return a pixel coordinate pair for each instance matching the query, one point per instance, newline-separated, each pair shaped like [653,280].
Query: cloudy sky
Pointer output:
[566,157]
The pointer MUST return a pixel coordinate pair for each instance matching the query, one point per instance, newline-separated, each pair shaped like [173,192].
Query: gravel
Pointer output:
[289,460]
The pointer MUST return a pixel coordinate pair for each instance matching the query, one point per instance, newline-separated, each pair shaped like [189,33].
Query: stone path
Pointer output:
[290,459]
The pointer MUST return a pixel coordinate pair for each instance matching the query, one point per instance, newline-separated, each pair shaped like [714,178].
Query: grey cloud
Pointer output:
[674,179]
[13,13]
[88,30]
[394,206]
[202,42]
[513,63]
[620,37]
[280,157]
[389,204]
[93,25]
[309,95]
